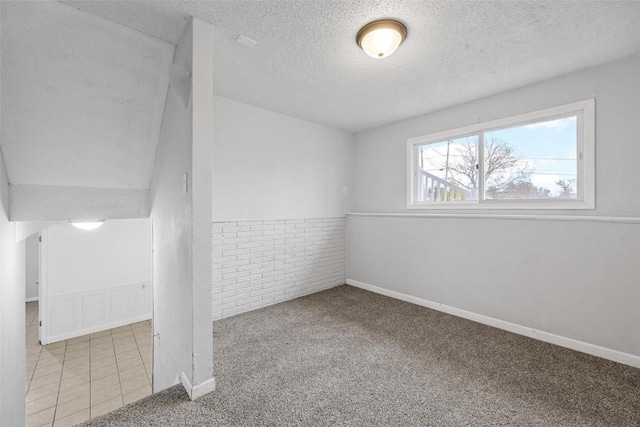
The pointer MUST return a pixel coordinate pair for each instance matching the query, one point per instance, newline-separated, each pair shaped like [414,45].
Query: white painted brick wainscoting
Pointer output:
[259,263]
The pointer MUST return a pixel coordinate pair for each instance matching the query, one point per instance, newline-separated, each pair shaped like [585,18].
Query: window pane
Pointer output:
[534,161]
[447,171]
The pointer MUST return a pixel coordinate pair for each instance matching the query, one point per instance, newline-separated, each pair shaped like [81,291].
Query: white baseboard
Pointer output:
[32,299]
[198,390]
[80,313]
[291,296]
[186,384]
[592,349]
[95,329]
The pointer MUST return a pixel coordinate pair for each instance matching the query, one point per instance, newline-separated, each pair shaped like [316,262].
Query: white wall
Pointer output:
[270,166]
[579,280]
[117,253]
[12,315]
[94,280]
[182,225]
[32,268]
[381,156]
[278,191]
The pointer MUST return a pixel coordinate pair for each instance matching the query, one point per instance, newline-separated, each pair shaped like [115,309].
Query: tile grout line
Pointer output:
[65,361]
[141,359]
[64,356]
[37,360]
[149,377]
[90,378]
[34,368]
[135,339]
[90,375]
[117,369]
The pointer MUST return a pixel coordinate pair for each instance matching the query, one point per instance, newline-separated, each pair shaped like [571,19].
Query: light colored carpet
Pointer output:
[349,357]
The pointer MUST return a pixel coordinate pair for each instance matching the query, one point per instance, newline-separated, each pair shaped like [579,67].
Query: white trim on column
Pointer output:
[592,349]
[186,384]
[198,390]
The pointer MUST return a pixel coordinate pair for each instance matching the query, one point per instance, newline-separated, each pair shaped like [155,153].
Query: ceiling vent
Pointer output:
[246,41]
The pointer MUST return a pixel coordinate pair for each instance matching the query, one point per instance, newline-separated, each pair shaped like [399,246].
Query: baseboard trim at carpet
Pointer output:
[95,329]
[198,390]
[592,349]
[293,296]
[32,299]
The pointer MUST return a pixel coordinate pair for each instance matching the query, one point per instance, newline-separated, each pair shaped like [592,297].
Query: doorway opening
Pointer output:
[89,330]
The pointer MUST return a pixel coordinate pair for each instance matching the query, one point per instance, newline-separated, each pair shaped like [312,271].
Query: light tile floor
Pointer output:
[70,381]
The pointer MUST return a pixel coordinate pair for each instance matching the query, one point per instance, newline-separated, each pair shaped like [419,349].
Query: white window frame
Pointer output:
[585,112]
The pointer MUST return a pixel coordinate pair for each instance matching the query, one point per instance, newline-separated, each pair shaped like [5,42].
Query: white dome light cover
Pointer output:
[381,38]
[87,225]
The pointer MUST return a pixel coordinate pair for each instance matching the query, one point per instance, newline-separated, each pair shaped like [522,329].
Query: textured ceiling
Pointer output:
[307,64]
[82,98]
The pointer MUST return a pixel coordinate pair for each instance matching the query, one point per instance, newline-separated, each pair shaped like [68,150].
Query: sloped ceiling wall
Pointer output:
[82,102]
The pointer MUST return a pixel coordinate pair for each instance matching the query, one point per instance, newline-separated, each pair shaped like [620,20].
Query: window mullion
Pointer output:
[480,167]
[416,172]
[580,155]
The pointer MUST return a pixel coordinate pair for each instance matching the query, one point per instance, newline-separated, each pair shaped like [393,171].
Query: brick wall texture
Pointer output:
[259,263]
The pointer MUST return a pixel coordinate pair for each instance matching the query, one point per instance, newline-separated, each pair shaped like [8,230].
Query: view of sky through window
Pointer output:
[534,161]
[544,160]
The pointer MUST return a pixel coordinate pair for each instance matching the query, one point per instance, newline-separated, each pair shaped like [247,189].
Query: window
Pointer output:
[539,160]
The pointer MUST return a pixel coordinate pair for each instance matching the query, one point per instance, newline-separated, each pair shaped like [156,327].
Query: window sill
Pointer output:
[500,205]
[529,217]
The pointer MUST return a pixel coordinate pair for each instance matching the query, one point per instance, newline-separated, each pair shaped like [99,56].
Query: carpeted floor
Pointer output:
[349,357]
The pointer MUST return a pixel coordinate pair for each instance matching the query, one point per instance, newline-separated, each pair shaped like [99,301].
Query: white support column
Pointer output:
[201,187]
[183,337]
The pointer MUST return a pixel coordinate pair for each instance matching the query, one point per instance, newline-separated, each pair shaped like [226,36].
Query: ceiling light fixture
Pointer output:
[381,38]
[87,225]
